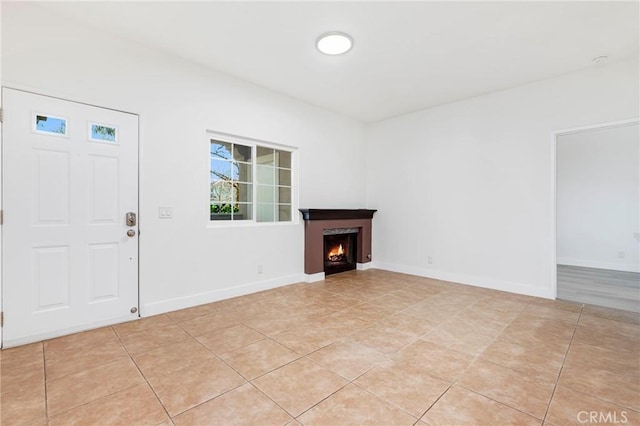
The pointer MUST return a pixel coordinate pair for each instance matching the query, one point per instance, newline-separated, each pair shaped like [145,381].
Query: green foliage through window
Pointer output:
[103,133]
[224,208]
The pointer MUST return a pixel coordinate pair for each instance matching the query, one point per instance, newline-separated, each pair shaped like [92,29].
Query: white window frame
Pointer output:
[253,143]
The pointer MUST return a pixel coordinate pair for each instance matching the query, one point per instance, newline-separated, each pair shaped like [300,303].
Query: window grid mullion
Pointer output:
[254,179]
[233,213]
[273,190]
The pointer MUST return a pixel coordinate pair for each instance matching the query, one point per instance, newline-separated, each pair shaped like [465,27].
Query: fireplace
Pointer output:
[325,231]
[340,248]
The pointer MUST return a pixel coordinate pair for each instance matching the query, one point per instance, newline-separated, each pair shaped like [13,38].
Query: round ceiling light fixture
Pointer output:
[334,43]
[600,59]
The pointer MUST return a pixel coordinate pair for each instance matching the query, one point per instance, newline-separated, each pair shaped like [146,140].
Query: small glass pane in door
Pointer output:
[50,124]
[102,133]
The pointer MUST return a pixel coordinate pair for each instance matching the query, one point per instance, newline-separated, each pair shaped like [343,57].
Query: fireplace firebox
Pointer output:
[340,248]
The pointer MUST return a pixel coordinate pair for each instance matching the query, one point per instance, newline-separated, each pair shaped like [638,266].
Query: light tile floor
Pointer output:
[366,347]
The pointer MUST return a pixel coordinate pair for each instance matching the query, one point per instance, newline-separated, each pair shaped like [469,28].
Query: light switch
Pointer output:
[165,212]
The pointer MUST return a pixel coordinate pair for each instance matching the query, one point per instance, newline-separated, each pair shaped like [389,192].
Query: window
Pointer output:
[250,182]
[103,133]
[50,124]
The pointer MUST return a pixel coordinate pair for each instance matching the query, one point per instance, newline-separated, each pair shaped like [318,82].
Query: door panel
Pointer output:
[51,277]
[70,175]
[103,271]
[51,187]
[103,190]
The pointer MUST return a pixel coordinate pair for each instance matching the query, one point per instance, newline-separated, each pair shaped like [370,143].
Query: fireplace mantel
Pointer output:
[316,221]
[335,214]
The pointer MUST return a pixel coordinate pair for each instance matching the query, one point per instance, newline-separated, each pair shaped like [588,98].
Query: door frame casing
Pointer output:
[99,324]
[554,186]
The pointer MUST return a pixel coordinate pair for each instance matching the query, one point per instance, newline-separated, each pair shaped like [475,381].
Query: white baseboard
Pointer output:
[598,265]
[476,281]
[312,278]
[155,308]
[363,266]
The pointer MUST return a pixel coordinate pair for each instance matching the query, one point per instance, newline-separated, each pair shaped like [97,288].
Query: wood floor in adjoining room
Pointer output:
[602,287]
[365,347]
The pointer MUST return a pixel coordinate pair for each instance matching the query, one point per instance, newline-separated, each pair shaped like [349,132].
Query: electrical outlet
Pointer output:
[622,255]
[430,260]
[259,269]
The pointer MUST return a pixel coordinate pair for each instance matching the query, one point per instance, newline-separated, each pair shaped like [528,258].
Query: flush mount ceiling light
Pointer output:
[334,43]
[600,59]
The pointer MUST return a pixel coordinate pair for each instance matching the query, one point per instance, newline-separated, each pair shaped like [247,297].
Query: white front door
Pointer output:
[70,178]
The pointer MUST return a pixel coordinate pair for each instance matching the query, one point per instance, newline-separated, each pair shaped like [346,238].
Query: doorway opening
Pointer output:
[597,215]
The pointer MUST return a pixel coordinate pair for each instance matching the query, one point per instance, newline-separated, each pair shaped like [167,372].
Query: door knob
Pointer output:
[131,233]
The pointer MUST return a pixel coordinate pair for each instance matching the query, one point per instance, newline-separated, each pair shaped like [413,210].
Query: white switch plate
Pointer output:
[165,212]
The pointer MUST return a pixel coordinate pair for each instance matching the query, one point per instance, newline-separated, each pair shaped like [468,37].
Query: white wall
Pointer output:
[184,261]
[598,198]
[470,184]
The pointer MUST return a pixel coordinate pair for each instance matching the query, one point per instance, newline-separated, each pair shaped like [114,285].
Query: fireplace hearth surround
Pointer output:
[320,222]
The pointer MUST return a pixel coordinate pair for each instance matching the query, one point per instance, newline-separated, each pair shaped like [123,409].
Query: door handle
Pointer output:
[131,219]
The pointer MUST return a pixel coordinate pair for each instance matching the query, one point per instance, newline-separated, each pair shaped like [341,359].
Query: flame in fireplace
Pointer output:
[336,253]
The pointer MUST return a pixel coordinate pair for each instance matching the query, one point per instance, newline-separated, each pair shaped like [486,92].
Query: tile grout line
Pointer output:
[564,359]
[306,356]
[44,366]
[499,402]
[386,402]
[247,381]
[275,402]
[142,374]
[417,338]
[436,401]
[595,396]
[103,396]
[216,357]
[250,381]
[477,357]
[221,360]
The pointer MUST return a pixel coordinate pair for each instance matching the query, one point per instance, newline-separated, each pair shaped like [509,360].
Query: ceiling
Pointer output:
[407,56]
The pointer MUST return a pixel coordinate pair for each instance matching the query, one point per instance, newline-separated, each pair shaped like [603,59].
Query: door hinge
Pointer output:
[1,217]
[1,115]
[1,319]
